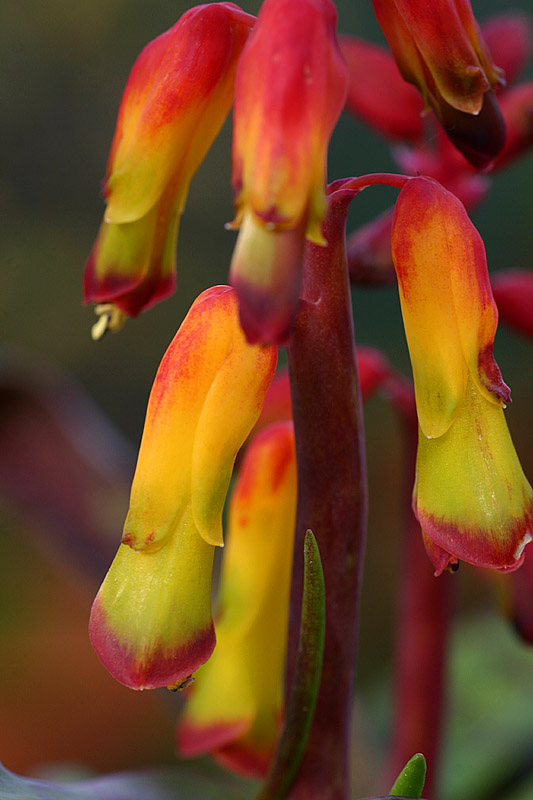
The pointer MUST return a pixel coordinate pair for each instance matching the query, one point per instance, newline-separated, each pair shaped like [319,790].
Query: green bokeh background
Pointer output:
[64,66]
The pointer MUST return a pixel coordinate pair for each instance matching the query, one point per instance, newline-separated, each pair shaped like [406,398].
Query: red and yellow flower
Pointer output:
[290,90]
[377,92]
[470,496]
[235,705]
[513,291]
[439,48]
[178,94]
[151,621]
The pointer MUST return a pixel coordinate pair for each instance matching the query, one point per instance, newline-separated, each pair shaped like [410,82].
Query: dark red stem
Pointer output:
[421,641]
[331,493]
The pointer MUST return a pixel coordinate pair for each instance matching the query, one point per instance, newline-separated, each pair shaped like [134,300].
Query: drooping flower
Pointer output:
[278,405]
[290,90]
[382,103]
[372,367]
[368,252]
[439,48]
[470,496]
[177,96]
[517,109]
[235,705]
[507,37]
[513,292]
[151,621]
[377,92]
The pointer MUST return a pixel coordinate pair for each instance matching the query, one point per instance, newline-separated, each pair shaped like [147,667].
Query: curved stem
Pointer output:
[372,179]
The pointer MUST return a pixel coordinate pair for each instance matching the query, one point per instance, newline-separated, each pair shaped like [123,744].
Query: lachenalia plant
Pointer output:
[272,699]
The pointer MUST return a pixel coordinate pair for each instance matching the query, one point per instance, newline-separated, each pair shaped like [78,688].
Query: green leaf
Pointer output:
[200,780]
[306,683]
[410,781]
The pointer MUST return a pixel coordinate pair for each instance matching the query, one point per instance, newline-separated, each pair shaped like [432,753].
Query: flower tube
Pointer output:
[513,292]
[377,92]
[290,89]
[151,621]
[235,705]
[471,497]
[507,36]
[439,48]
[177,96]
[517,109]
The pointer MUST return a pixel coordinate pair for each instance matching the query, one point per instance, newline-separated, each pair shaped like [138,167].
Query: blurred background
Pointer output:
[64,66]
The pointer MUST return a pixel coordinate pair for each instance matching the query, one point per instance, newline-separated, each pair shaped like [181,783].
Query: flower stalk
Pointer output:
[421,632]
[331,493]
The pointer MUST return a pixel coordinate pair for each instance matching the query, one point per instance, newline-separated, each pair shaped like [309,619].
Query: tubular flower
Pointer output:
[290,89]
[151,621]
[513,291]
[382,98]
[471,497]
[439,48]
[508,39]
[373,369]
[233,712]
[517,109]
[177,96]
[277,406]
[235,705]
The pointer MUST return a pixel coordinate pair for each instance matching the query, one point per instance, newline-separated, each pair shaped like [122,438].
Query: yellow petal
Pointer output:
[290,89]
[235,705]
[161,487]
[471,496]
[448,310]
[151,620]
[181,90]
[423,265]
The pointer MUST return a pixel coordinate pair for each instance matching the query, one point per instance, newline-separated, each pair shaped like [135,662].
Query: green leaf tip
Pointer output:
[410,781]
[306,683]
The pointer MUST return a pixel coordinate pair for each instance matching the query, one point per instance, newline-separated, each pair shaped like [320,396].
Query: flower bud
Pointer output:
[177,96]
[377,92]
[439,48]
[290,90]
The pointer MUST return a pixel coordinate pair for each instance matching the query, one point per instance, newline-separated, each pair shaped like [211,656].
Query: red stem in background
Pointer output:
[421,632]
[331,494]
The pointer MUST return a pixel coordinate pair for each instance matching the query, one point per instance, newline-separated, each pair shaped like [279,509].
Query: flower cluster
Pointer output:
[287,77]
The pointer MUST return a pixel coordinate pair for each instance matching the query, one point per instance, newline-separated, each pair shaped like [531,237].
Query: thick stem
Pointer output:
[331,494]
[421,643]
